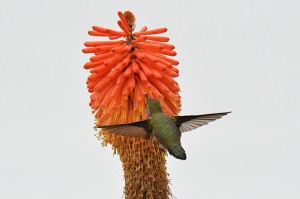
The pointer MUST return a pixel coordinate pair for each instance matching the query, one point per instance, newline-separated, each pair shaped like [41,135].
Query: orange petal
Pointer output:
[102,84]
[117,90]
[114,37]
[143,29]
[149,46]
[156,74]
[113,74]
[137,97]
[107,98]
[145,68]
[139,39]
[163,51]
[91,86]
[135,67]
[99,29]
[121,66]
[96,77]
[163,62]
[164,45]
[126,89]
[123,27]
[172,87]
[112,61]
[140,55]
[169,80]
[101,57]
[89,50]
[99,96]
[142,76]
[168,108]
[128,71]
[159,85]
[90,65]
[137,94]
[107,47]
[158,38]
[150,57]
[131,81]
[140,86]
[155,92]
[170,60]
[157,65]
[95,33]
[171,106]
[115,33]
[150,32]
[152,67]
[121,49]
[167,52]
[100,43]
[122,17]
[160,66]
[99,69]
[171,73]
[174,69]
[121,79]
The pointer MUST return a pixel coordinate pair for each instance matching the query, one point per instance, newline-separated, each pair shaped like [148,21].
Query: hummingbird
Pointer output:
[165,130]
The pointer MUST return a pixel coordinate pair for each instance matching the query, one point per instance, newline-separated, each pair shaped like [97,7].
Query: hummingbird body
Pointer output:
[162,128]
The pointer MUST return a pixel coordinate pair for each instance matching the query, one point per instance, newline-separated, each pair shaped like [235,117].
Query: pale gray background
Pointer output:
[240,56]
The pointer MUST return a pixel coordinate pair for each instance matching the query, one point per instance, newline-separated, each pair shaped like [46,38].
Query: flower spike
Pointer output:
[125,69]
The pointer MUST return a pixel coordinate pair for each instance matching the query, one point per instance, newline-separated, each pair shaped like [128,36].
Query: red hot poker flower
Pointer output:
[124,69]
[137,58]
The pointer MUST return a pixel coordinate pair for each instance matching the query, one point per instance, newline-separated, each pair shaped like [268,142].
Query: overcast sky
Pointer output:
[240,56]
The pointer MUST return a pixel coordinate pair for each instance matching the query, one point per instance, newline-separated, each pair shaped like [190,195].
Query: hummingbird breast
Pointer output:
[166,133]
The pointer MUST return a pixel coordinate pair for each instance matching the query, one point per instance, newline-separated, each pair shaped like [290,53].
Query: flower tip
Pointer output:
[130,18]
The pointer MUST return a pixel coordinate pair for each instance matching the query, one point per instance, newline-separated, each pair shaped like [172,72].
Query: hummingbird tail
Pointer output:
[178,152]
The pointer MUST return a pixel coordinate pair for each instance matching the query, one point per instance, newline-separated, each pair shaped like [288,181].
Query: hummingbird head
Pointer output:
[153,106]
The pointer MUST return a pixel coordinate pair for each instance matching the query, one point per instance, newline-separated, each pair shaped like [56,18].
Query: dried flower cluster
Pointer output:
[124,70]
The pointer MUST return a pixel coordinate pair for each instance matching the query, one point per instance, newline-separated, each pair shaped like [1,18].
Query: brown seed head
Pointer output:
[130,18]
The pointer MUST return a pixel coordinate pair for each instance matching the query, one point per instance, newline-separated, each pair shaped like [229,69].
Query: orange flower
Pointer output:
[138,58]
[124,70]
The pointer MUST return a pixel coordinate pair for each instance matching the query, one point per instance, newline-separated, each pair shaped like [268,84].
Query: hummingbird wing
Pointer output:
[134,129]
[190,122]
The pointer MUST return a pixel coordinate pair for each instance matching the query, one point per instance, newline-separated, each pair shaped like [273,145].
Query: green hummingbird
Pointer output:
[166,131]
